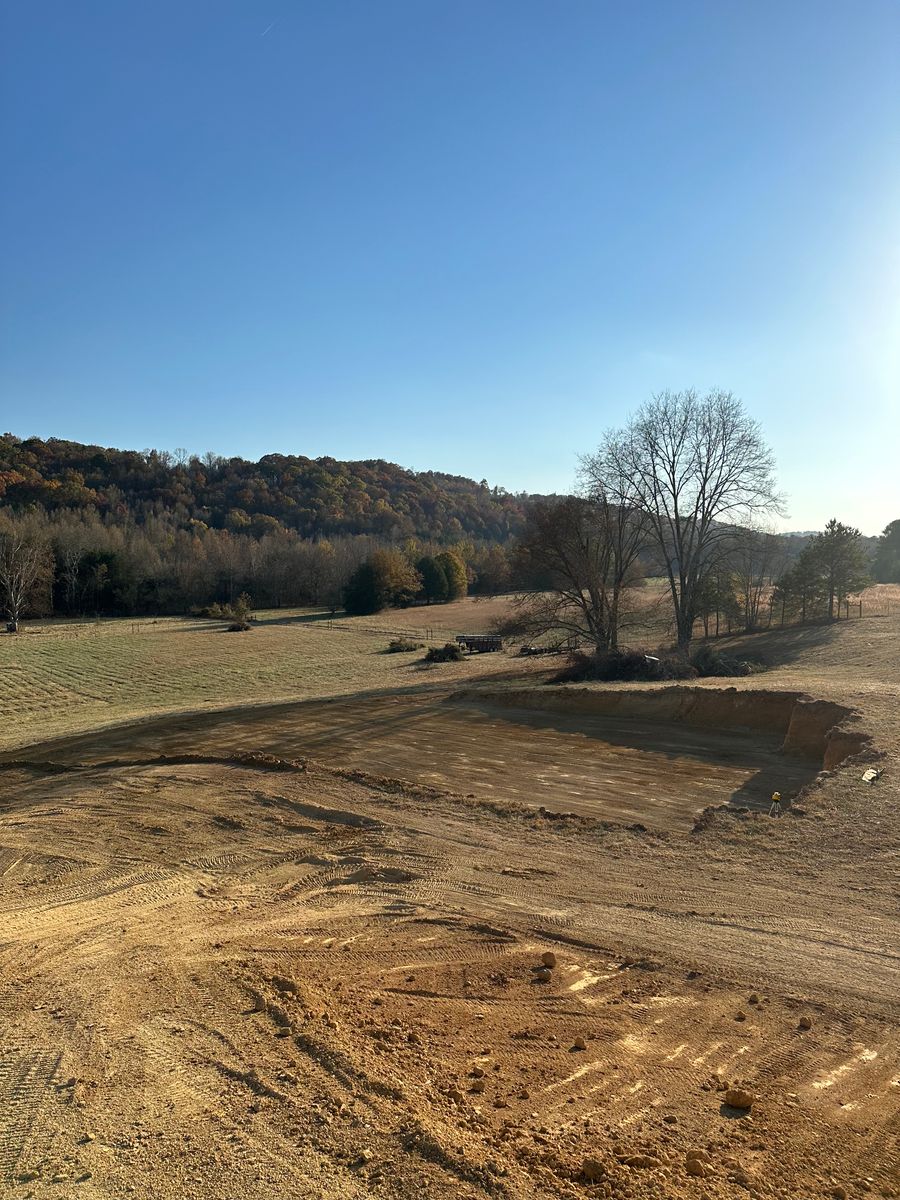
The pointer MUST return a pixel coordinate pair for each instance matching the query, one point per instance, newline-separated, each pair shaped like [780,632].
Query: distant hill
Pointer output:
[314,497]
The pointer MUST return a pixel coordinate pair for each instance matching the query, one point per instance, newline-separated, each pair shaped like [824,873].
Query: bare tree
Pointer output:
[25,570]
[70,567]
[758,558]
[695,466]
[581,554]
[624,528]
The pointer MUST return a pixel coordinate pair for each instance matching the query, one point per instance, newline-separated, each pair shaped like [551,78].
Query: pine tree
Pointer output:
[886,565]
[455,570]
[839,559]
[435,585]
[386,577]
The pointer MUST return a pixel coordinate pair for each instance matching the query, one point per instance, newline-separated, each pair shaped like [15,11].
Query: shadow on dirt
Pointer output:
[789,779]
[732,1113]
[670,739]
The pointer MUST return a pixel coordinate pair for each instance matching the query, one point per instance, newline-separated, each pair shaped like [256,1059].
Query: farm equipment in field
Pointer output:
[480,643]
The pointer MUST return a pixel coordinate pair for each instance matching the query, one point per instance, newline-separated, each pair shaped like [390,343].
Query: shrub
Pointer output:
[625,665]
[402,646]
[711,662]
[239,612]
[242,608]
[214,611]
[447,653]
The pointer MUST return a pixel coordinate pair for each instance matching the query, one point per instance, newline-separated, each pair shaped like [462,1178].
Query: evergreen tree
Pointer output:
[718,602]
[362,595]
[455,570]
[385,578]
[840,560]
[435,586]
[886,565]
[831,567]
[799,594]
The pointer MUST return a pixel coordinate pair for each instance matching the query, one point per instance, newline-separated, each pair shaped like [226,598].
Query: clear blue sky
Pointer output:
[465,235]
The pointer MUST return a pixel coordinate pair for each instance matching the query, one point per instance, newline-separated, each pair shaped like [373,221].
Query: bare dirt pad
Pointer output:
[229,981]
[623,769]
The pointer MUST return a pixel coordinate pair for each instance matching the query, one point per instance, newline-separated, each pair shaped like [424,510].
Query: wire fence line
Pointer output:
[771,618]
[421,634]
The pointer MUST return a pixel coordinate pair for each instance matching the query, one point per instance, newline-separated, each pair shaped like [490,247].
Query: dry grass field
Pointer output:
[60,677]
[274,908]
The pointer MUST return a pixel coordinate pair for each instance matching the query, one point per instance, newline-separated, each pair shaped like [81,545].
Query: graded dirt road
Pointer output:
[238,977]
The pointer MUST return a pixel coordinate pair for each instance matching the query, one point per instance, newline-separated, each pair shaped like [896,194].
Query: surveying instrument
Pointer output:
[775,809]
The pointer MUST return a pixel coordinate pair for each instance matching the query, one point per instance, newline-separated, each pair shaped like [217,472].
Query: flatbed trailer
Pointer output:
[480,643]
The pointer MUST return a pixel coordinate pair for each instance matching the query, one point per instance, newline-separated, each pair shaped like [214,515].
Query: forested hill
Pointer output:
[314,497]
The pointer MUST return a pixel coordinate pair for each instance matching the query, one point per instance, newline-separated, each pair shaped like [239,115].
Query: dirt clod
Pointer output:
[593,1170]
[643,1161]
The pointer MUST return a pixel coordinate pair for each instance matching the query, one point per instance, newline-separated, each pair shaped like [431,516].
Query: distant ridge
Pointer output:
[314,497]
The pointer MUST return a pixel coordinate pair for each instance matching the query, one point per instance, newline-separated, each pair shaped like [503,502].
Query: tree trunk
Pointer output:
[685,629]
[613,621]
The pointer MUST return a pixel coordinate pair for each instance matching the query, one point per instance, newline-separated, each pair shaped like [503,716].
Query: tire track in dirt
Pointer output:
[26,1076]
[395,954]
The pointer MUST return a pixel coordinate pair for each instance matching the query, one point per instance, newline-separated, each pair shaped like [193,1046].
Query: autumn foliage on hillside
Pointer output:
[84,530]
[312,497]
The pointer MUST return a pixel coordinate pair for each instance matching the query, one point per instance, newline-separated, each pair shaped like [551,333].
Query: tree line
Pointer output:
[76,563]
[684,490]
